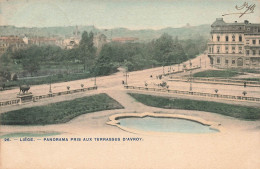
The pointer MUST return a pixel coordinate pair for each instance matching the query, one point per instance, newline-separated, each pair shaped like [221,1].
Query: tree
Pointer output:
[87,51]
[104,64]
[167,51]
[6,66]
[31,59]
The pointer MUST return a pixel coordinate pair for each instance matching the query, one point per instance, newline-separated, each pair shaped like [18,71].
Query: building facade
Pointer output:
[12,42]
[234,45]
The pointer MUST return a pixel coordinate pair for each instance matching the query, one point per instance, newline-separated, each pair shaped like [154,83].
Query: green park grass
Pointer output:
[60,112]
[217,73]
[241,112]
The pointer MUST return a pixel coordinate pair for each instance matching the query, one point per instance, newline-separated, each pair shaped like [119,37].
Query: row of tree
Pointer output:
[134,56]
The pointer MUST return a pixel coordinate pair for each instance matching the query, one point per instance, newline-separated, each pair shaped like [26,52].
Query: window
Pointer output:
[240,38]
[233,38]
[233,62]
[218,60]
[233,49]
[254,41]
[218,37]
[259,42]
[259,52]
[247,52]
[226,48]
[253,52]
[240,49]
[247,61]
[226,38]
[226,62]
[218,48]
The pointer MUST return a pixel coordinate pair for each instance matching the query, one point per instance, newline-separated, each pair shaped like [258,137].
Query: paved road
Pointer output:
[137,78]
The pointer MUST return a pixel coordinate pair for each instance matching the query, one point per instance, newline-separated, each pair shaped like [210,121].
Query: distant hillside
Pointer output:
[143,35]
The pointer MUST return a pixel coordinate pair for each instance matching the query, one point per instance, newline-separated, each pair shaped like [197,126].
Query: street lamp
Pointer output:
[163,69]
[50,91]
[190,81]
[200,62]
[126,75]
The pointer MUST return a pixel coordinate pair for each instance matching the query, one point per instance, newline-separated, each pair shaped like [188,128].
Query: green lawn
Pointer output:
[241,112]
[217,73]
[60,112]
[256,71]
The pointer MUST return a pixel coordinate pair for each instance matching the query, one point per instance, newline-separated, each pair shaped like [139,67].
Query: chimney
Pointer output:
[246,22]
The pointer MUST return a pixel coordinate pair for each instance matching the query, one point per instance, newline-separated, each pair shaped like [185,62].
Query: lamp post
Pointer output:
[50,91]
[163,69]
[190,81]
[200,62]
[126,75]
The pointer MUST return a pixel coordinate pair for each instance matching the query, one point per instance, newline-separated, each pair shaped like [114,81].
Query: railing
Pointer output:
[181,71]
[229,97]
[218,80]
[37,98]
[9,102]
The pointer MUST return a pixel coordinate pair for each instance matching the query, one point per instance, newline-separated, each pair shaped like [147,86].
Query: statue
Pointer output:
[24,88]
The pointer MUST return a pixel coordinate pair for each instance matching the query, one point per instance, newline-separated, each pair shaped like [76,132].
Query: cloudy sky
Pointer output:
[132,14]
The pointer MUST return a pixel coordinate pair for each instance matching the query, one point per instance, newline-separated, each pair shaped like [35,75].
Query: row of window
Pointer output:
[239,61]
[240,39]
[226,61]
[254,41]
[211,50]
[253,52]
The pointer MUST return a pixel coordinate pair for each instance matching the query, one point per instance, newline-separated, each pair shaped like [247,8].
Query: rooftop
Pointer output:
[221,22]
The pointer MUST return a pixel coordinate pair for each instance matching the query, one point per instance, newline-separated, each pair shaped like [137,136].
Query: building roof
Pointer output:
[221,22]
[124,39]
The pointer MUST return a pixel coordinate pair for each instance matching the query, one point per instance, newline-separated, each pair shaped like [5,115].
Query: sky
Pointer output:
[131,14]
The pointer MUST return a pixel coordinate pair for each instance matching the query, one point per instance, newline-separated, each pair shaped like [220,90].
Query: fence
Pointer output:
[218,81]
[10,102]
[229,97]
[37,98]
[181,71]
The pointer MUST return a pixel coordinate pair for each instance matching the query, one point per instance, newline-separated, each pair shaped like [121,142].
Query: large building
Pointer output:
[234,45]
[12,42]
